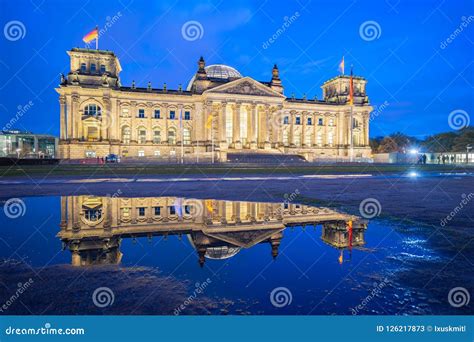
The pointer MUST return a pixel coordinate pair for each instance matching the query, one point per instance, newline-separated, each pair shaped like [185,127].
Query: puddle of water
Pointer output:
[169,255]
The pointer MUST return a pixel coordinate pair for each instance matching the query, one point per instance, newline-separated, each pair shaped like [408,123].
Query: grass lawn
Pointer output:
[111,170]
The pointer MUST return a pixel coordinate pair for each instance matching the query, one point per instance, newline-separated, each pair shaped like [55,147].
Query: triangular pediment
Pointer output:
[245,86]
[245,239]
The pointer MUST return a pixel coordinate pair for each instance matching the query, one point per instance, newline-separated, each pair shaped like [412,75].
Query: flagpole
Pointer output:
[182,136]
[352,136]
[97,39]
[352,123]
[212,141]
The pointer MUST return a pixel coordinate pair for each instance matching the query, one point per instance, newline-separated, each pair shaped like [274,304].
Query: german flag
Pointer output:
[94,34]
[351,89]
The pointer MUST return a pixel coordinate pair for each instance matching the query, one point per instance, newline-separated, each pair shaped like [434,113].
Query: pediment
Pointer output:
[245,239]
[245,86]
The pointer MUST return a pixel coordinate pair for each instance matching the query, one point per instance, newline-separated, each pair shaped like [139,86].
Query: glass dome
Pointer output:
[222,71]
[221,252]
[218,71]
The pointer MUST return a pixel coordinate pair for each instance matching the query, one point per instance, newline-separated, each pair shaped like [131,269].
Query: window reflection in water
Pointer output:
[92,228]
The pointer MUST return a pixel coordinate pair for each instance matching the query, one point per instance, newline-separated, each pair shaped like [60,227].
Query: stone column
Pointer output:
[106,119]
[366,128]
[325,130]
[164,128]
[236,126]
[62,117]
[291,142]
[76,129]
[253,129]
[69,118]
[303,134]
[265,128]
[222,126]
[180,116]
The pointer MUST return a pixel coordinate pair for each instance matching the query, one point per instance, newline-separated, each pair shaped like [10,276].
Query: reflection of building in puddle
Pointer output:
[93,227]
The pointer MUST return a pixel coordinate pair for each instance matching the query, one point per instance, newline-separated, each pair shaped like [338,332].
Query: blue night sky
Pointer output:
[420,81]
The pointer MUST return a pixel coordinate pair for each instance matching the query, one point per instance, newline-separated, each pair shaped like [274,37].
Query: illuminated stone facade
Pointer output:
[219,112]
[93,227]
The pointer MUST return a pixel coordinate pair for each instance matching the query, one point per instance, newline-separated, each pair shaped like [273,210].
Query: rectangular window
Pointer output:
[141,211]
[141,153]
[83,67]
[286,120]
[172,210]
[157,211]
[172,114]
[320,121]
[156,137]
[102,69]
[157,113]
[319,139]
[298,120]
[157,153]
[187,115]
[310,122]
[331,122]
[125,112]
[286,205]
[93,69]
[141,113]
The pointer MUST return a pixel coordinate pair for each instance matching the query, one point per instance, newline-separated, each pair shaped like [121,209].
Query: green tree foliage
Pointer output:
[442,142]
[450,141]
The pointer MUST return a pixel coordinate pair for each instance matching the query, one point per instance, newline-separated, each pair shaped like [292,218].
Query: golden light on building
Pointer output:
[219,112]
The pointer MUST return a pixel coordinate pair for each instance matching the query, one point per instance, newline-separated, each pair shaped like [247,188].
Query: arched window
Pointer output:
[92,109]
[156,136]
[172,136]
[186,136]
[141,135]
[126,133]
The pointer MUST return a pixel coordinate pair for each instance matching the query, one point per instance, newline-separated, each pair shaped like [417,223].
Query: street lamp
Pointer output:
[468,148]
